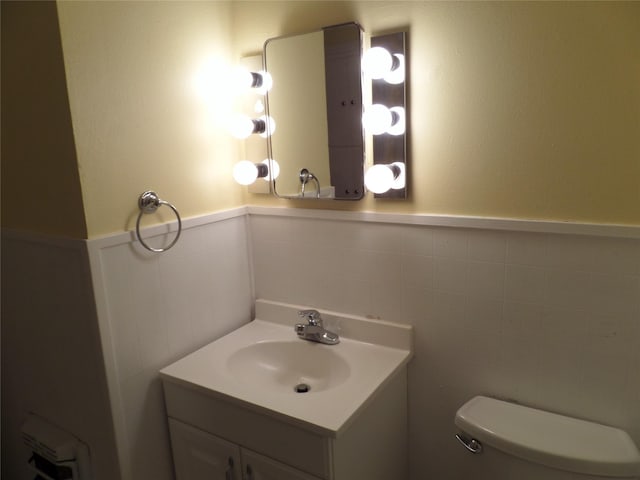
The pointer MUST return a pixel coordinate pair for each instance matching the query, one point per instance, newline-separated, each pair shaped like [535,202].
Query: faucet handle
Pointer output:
[312,316]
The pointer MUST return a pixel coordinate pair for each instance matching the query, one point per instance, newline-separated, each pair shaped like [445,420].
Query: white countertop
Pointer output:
[324,410]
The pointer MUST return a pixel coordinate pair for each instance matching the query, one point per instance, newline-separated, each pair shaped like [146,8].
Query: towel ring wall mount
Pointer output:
[149,202]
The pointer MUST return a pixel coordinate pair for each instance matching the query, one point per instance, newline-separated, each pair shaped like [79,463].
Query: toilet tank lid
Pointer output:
[550,439]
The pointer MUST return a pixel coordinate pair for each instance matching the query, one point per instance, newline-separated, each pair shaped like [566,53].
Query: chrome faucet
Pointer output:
[304,176]
[313,329]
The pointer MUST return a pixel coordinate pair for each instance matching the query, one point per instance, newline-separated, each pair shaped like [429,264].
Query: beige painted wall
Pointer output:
[40,184]
[139,121]
[523,110]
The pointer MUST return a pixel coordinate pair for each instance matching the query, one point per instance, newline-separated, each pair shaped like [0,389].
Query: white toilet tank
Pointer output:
[522,443]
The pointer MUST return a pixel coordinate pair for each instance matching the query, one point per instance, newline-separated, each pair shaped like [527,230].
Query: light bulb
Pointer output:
[377,62]
[400,177]
[245,172]
[377,119]
[270,126]
[378,178]
[398,125]
[266,82]
[274,171]
[395,75]
[381,178]
[241,126]
[243,80]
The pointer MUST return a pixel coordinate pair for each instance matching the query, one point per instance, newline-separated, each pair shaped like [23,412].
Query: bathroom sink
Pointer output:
[293,365]
[265,367]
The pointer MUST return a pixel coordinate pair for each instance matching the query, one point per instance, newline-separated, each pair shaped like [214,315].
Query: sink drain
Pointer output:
[302,388]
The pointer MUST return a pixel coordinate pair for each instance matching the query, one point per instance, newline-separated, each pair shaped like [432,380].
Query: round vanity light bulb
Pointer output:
[267,82]
[400,181]
[274,170]
[245,172]
[398,126]
[395,75]
[379,178]
[241,126]
[270,126]
[241,78]
[376,119]
[376,62]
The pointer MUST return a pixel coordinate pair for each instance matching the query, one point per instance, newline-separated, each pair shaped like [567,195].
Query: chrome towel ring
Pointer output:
[148,202]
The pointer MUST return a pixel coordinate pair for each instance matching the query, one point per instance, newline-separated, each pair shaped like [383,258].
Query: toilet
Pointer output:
[508,441]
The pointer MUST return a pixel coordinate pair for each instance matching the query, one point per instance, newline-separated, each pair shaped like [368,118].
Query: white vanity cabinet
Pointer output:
[199,455]
[258,467]
[222,438]
[236,411]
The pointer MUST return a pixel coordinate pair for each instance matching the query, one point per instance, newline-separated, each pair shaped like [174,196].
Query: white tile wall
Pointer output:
[159,307]
[549,320]
[51,355]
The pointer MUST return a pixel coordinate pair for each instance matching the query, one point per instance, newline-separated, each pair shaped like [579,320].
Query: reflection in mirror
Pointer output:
[316,101]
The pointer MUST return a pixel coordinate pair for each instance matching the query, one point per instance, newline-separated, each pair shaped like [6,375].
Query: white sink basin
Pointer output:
[289,365]
[259,365]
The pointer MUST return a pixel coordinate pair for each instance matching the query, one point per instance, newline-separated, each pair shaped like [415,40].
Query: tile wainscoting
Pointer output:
[51,352]
[549,318]
[153,309]
[547,314]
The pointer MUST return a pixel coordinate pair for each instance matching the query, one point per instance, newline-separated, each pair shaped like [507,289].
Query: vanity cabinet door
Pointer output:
[200,455]
[258,467]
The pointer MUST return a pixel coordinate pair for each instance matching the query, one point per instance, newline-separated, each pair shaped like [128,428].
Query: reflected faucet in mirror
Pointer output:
[305,175]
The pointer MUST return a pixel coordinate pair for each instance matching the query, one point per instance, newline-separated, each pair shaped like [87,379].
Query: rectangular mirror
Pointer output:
[316,103]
